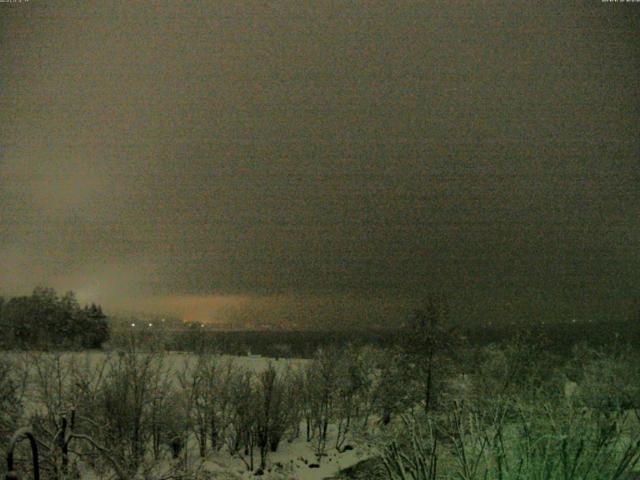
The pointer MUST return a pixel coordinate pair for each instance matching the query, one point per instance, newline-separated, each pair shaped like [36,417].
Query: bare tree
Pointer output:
[427,335]
[321,382]
[127,401]
[275,412]
[242,438]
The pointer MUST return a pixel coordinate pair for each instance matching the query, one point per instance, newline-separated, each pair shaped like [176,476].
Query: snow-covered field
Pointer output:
[295,459]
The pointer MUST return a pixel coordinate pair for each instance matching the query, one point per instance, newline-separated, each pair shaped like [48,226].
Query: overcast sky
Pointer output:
[322,162]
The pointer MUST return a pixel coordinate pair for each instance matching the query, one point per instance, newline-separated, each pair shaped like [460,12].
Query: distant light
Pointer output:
[151,324]
[202,325]
[133,324]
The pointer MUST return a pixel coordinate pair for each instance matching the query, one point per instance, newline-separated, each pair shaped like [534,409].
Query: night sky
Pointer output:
[323,163]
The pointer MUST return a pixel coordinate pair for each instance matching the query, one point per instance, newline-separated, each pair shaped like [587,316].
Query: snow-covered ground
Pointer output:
[294,459]
[291,461]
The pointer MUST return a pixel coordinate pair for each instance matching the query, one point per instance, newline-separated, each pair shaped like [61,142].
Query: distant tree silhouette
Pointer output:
[98,328]
[45,320]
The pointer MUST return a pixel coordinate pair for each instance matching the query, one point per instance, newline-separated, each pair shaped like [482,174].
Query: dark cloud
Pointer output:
[283,151]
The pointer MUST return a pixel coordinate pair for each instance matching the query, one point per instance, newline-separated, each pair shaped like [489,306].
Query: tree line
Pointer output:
[46,320]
